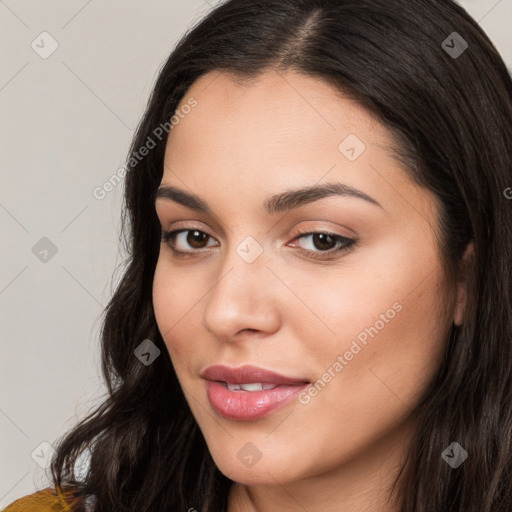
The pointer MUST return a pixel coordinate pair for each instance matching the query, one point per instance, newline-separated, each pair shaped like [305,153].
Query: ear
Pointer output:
[460,304]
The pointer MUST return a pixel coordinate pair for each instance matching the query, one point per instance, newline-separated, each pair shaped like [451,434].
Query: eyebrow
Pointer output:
[281,202]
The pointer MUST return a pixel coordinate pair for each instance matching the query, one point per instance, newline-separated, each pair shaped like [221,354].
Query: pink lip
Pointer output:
[248,373]
[249,405]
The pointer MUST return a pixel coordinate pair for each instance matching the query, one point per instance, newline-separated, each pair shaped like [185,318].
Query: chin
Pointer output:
[256,475]
[266,471]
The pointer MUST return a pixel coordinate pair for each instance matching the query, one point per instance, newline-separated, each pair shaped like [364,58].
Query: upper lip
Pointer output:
[248,374]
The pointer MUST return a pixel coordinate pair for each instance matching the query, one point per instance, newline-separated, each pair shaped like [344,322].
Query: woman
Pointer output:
[316,314]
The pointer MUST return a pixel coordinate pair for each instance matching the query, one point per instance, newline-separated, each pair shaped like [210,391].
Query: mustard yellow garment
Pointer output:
[43,501]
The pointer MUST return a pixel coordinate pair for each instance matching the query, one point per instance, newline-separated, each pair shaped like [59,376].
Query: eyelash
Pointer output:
[168,238]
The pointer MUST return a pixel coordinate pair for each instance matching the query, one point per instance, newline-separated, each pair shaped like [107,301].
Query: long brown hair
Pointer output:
[447,98]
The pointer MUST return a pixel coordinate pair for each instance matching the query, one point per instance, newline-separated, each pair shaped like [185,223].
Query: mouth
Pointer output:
[250,386]
[247,393]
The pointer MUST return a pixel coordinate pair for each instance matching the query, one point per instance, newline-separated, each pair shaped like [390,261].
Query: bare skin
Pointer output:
[290,312]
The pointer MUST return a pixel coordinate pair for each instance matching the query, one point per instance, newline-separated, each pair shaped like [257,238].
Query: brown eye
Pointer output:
[187,241]
[324,245]
[196,238]
[323,241]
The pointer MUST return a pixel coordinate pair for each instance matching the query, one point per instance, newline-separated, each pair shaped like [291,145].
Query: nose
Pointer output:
[243,300]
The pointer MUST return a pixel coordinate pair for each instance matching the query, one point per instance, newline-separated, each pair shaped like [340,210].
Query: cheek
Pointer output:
[174,298]
[383,329]
[393,289]
[386,362]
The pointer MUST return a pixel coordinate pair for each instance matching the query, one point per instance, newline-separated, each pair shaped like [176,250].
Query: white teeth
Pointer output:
[251,386]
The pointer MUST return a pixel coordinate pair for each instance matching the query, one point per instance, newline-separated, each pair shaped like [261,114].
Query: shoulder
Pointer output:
[45,500]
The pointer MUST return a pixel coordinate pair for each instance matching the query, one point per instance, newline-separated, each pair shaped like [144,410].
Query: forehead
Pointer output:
[288,118]
[276,96]
[244,141]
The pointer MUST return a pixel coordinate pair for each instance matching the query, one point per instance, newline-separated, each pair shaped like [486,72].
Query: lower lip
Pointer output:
[249,405]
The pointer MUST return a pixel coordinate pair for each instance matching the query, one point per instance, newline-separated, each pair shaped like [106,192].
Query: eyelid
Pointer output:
[303,230]
[188,226]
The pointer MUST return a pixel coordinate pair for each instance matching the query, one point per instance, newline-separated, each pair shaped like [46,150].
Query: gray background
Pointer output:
[67,119]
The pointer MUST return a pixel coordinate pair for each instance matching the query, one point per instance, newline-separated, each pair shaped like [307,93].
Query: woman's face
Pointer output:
[341,292]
